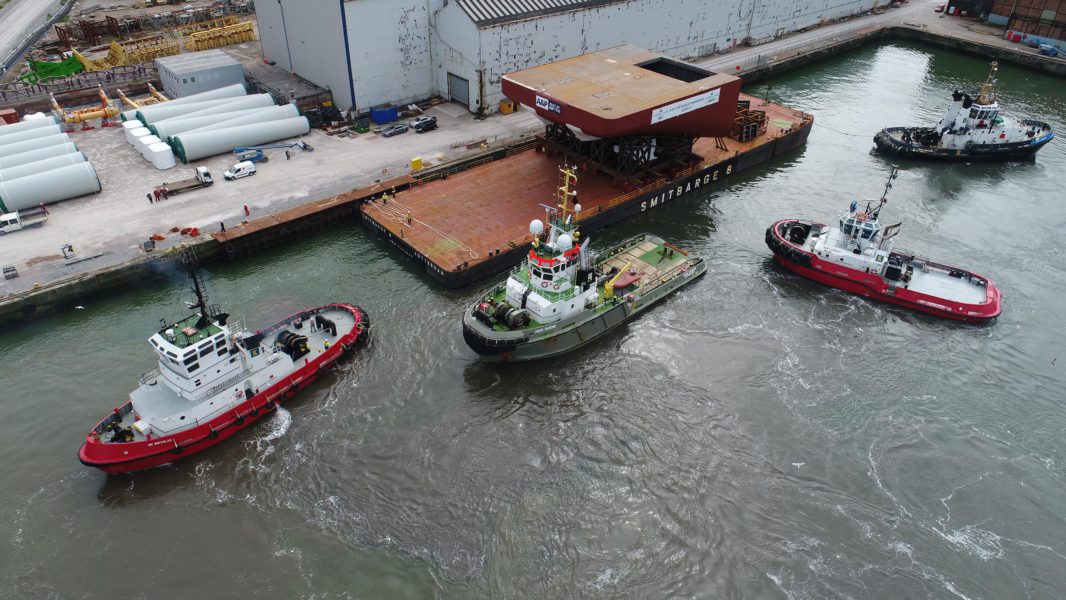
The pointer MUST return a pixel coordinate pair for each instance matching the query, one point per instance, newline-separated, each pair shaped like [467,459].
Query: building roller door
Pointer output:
[459,90]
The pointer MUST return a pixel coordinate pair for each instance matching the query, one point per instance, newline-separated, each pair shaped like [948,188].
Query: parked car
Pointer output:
[241,169]
[425,124]
[395,129]
[421,120]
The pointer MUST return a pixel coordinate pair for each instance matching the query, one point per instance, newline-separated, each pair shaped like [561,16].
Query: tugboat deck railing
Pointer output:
[149,376]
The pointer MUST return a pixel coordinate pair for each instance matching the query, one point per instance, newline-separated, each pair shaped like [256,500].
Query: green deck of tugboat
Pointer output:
[648,258]
[182,341]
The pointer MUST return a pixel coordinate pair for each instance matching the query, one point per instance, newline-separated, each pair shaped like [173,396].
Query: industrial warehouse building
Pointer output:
[373,52]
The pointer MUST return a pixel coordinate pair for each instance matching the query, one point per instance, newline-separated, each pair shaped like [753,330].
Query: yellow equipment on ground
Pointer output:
[219,36]
[155,99]
[108,108]
[130,52]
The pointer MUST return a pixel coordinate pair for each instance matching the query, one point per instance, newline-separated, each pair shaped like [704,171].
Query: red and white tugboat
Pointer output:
[215,379]
[856,256]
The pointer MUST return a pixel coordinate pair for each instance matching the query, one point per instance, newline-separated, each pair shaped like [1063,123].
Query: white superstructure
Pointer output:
[979,121]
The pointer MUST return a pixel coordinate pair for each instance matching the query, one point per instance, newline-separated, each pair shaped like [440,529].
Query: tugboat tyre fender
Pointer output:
[231,249]
[213,434]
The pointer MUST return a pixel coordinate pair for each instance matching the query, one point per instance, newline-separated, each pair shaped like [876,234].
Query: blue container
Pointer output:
[384,114]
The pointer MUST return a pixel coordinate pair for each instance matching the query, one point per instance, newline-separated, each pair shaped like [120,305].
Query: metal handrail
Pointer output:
[149,375]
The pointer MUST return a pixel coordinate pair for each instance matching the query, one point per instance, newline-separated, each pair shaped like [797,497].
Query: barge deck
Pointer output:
[431,222]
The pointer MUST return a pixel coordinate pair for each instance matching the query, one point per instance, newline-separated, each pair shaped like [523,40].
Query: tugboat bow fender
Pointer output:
[782,248]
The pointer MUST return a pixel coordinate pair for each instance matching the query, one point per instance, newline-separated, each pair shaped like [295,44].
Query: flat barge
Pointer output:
[431,221]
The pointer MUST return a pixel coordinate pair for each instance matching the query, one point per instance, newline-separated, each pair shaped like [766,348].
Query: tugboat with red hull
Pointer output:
[857,256]
[214,379]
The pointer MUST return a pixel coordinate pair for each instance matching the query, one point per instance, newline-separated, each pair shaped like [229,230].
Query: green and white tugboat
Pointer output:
[564,296]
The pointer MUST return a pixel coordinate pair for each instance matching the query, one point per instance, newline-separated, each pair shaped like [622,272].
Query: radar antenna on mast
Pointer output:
[188,258]
[884,195]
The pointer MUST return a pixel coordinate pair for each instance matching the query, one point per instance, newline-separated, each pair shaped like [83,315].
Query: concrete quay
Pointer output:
[110,226]
[915,20]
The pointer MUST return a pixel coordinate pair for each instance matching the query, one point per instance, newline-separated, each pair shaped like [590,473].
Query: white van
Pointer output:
[241,169]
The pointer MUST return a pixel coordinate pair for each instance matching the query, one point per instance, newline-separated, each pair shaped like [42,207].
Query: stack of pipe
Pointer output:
[249,129]
[229,91]
[212,123]
[40,165]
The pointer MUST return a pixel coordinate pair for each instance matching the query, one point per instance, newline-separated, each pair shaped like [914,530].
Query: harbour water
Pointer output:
[755,436]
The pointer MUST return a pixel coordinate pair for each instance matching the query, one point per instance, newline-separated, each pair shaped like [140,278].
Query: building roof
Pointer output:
[627,90]
[485,13]
[194,62]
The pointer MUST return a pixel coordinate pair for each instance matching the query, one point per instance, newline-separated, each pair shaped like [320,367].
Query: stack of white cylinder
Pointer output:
[40,165]
[213,122]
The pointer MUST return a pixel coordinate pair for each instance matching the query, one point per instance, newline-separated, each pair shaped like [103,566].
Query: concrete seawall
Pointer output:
[1019,58]
[65,294]
[787,61]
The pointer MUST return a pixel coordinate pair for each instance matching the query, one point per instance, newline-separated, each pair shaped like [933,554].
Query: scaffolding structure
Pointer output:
[197,26]
[90,33]
[748,124]
[220,36]
[130,52]
[628,157]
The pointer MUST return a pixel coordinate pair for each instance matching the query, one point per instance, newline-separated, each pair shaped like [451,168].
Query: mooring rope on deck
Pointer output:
[407,218]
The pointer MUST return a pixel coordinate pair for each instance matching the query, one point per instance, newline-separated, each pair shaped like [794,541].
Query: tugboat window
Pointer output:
[193,367]
[191,359]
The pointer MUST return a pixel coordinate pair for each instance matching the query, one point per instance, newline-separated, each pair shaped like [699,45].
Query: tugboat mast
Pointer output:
[199,289]
[987,95]
[884,195]
[568,212]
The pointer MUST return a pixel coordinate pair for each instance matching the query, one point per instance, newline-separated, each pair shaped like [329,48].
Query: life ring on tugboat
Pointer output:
[544,284]
[555,286]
